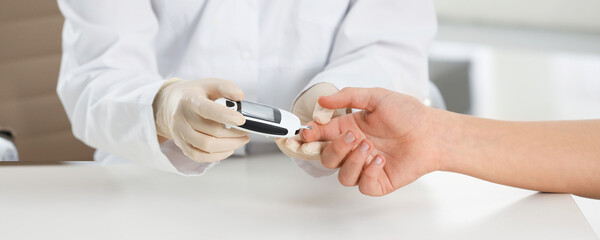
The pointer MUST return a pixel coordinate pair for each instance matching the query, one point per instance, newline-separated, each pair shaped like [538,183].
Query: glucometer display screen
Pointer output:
[261,112]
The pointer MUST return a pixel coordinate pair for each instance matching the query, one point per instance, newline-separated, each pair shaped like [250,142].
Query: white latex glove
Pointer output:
[185,111]
[307,109]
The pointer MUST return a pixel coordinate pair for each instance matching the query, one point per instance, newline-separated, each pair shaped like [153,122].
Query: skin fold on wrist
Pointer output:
[446,133]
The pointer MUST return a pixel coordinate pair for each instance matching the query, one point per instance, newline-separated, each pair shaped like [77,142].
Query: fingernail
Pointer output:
[364,147]
[378,160]
[349,137]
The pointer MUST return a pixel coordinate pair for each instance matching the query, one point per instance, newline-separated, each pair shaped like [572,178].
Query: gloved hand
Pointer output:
[307,109]
[185,111]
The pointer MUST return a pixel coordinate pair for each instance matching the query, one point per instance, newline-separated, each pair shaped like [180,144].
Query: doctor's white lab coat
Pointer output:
[117,53]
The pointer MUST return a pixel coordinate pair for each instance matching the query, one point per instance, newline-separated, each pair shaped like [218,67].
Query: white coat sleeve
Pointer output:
[108,80]
[381,43]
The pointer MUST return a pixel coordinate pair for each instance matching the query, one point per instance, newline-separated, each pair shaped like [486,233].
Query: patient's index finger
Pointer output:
[359,98]
[321,132]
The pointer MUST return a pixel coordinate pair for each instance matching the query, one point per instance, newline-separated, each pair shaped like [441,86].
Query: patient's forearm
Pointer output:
[559,156]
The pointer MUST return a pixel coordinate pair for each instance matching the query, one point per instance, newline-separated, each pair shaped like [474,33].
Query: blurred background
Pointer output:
[521,60]
[510,59]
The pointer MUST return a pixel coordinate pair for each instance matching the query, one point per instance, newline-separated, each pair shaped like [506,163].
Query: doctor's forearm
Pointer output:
[545,156]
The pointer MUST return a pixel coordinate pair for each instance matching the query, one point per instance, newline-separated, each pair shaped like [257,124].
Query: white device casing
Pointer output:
[289,121]
[8,151]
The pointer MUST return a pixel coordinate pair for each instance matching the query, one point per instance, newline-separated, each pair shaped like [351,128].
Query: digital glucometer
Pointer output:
[264,120]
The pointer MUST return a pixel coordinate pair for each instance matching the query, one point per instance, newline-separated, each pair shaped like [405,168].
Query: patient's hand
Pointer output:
[382,148]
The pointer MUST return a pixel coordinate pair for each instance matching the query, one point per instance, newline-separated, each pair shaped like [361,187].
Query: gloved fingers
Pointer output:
[206,142]
[354,163]
[369,183]
[220,88]
[216,129]
[322,115]
[289,148]
[211,127]
[197,154]
[306,106]
[292,144]
[313,148]
[293,148]
[333,155]
[325,132]
[209,109]
[202,156]
[212,144]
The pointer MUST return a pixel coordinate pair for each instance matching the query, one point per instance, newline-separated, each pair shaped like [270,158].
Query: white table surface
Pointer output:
[268,197]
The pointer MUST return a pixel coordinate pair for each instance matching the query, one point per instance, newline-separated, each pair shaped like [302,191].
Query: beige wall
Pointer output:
[30,52]
[571,15]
